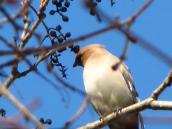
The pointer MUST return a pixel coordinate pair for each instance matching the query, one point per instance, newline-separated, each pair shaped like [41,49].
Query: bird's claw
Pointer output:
[117,110]
[100,118]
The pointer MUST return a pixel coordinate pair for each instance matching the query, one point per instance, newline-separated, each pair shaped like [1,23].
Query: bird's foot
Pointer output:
[100,118]
[117,110]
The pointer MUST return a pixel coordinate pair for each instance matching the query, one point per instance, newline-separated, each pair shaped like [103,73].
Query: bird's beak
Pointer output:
[77,62]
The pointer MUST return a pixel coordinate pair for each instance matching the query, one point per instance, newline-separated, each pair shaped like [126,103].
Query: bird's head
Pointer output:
[85,53]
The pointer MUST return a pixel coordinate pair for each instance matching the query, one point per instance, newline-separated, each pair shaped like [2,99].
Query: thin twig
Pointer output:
[35,25]
[146,104]
[20,106]
[166,83]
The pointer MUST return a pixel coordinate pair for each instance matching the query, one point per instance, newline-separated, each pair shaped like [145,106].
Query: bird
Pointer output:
[109,90]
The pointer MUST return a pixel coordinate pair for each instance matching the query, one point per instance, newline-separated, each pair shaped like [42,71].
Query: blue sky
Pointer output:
[154,25]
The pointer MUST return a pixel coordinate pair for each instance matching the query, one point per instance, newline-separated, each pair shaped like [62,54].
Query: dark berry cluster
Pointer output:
[54,60]
[57,37]
[61,7]
[75,48]
[47,121]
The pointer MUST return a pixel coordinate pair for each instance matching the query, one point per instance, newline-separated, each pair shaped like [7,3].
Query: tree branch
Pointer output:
[167,82]
[4,92]
[149,103]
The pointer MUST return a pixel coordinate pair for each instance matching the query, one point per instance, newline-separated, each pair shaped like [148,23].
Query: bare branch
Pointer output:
[132,18]
[166,83]
[146,104]
[10,123]
[149,103]
[25,39]
[20,106]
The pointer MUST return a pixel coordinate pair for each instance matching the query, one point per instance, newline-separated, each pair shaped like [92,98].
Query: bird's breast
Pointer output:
[107,88]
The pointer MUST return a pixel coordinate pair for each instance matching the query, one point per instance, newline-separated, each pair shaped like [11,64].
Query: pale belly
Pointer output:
[108,91]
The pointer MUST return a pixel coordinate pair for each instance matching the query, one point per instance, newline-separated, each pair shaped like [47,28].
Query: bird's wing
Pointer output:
[129,81]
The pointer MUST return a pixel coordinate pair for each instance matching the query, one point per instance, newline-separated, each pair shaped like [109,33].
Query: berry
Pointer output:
[59,4]
[42,120]
[63,9]
[60,39]
[53,33]
[65,18]
[49,121]
[58,28]
[76,49]
[67,4]
[68,34]
[52,12]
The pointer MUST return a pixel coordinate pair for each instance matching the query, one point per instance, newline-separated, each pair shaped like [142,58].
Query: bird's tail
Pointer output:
[129,121]
[141,121]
